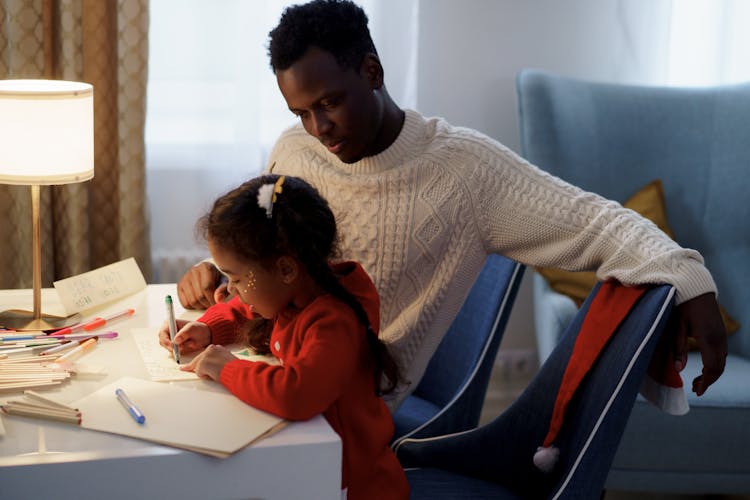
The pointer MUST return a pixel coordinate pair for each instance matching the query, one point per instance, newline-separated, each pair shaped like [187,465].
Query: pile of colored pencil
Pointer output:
[52,366]
[19,372]
[35,405]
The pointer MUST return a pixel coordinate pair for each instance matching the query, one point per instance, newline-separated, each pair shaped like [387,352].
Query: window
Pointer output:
[708,42]
[214,110]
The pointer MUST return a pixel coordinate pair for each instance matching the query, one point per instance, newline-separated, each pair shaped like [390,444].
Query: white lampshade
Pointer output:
[46,132]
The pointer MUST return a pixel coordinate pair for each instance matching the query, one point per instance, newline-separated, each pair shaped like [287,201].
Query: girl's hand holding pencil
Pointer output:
[191,336]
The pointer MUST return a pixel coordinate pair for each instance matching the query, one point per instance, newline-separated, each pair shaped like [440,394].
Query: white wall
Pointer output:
[470,52]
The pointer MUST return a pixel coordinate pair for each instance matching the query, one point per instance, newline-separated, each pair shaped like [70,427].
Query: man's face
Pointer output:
[338,107]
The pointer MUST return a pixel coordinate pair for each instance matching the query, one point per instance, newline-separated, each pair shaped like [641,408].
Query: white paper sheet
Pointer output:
[215,423]
[160,364]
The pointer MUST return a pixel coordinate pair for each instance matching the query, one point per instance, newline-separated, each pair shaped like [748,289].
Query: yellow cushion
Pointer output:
[649,202]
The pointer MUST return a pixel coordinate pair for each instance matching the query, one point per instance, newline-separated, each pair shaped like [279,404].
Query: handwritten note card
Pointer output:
[100,286]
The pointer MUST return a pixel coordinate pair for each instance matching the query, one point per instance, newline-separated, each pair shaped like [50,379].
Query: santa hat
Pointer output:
[607,310]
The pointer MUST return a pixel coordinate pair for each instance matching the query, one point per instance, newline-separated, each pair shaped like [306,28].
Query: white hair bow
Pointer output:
[267,195]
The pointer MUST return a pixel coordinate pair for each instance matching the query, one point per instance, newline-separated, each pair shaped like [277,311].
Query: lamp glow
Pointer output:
[47,138]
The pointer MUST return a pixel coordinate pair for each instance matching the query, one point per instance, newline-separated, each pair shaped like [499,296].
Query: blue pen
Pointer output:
[172,327]
[128,405]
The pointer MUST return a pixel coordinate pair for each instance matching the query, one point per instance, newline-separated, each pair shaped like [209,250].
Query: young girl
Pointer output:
[274,238]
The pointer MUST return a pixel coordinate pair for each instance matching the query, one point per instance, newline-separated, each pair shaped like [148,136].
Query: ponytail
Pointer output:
[386,369]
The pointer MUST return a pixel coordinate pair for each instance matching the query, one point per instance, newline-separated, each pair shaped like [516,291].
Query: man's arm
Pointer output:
[196,287]
[578,230]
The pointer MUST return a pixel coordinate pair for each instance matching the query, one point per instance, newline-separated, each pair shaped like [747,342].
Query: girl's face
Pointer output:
[268,291]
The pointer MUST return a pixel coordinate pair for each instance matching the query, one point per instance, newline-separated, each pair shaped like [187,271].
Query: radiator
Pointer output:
[168,266]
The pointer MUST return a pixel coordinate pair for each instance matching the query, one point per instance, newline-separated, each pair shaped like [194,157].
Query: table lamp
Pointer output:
[46,138]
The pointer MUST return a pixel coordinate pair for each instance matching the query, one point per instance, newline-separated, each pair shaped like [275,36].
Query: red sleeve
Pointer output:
[309,382]
[224,320]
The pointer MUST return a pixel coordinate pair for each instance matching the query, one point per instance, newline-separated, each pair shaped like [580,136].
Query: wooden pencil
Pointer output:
[24,368]
[26,384]
[31,377]
[47,400]
[21,405]
[45,414]
[25,359]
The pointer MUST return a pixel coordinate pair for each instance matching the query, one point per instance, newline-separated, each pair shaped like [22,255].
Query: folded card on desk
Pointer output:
[213,423]
[100,286]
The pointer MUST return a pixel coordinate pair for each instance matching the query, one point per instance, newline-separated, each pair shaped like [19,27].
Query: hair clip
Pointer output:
[267,195]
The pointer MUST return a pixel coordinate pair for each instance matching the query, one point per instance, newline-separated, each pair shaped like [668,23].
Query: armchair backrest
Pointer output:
[614,139]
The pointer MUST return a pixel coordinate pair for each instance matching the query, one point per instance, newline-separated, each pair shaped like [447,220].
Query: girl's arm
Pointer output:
[333,352]
[225,318]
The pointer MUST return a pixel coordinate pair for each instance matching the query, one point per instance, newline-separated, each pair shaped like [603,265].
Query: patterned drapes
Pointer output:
[91,224]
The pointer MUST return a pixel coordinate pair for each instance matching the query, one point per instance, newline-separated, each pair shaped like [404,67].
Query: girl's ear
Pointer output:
[288,269]
[372,70]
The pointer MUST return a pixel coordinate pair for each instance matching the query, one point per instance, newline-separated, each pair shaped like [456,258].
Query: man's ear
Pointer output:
[372,70]
[288,268]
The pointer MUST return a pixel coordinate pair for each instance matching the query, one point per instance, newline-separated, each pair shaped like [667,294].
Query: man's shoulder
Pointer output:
[461,142]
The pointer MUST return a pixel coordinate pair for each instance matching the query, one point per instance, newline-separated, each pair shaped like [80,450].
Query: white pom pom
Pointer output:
[546,458]
[265,198]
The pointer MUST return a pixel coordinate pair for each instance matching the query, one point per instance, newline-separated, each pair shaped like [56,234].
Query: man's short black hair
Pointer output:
[336,26]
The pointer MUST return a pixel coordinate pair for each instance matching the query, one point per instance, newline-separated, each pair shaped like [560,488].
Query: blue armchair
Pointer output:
[495,460]
[450,395]
[613,139]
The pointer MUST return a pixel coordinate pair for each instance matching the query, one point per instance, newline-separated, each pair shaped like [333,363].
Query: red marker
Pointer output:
[93,324]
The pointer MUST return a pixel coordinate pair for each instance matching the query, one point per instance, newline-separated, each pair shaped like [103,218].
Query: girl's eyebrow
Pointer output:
[224,271]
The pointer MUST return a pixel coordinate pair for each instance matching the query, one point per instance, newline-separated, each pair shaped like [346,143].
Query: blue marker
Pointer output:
[128,405]
[16,338]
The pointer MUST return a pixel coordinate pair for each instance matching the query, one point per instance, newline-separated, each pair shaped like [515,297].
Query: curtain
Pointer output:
[215,109]
[709,42]
[91,224]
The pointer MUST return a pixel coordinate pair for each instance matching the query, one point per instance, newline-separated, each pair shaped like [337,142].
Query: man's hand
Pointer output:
[221,294]
[699,317]
[197,285]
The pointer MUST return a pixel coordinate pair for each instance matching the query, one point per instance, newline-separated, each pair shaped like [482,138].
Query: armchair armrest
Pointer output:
[501,451]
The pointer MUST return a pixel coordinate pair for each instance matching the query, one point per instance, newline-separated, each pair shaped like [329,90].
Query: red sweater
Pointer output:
[326,367]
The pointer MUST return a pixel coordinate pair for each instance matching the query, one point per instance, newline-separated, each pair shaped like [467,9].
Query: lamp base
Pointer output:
[19,320]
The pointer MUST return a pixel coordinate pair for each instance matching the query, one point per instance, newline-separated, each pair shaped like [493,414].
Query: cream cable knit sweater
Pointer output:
[422,215]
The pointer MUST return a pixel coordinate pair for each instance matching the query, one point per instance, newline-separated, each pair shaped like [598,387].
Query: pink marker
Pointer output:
[84,336]
[93,324]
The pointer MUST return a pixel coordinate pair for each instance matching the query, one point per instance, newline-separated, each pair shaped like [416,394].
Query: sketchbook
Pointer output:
[208,422]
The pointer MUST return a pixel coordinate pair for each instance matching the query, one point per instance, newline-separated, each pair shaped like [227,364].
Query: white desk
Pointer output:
[43,459]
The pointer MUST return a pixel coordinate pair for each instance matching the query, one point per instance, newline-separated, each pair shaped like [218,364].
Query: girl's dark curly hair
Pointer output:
[336,26]
[301,225]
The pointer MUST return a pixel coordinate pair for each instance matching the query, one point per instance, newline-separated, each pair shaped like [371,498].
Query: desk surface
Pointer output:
[44,459]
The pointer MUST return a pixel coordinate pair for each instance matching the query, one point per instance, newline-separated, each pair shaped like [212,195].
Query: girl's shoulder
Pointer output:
[331,312]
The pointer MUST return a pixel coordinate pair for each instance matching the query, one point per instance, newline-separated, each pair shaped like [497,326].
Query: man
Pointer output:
[421,203]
